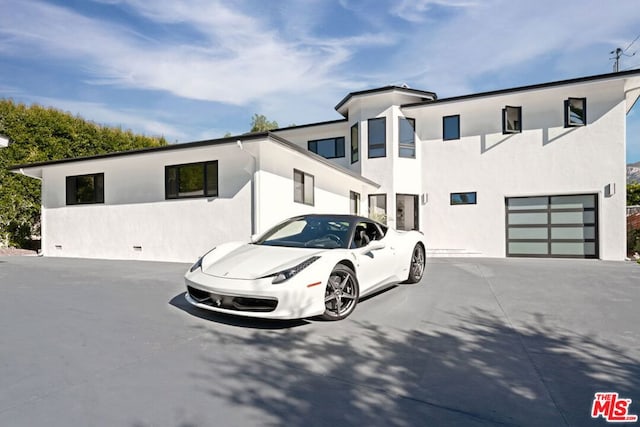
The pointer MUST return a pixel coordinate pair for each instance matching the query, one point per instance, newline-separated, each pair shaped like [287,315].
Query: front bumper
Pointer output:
[294,299]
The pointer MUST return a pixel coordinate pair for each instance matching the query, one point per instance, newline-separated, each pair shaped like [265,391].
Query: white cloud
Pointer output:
[417,10]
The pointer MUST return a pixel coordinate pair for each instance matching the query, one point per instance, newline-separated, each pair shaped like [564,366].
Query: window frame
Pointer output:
[355,142]
[461,203]
[338,146]
[205,190]
[386,215]
[567,113]
[354,197]
[98,189]
[304,176]
[406,146]
[505,119]
[378,145]
[444,127]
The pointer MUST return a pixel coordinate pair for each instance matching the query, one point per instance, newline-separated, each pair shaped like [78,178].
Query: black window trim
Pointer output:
[475,198]
[567,116]
[336,141]
[383,144]
[204,171]
[386,206]
[355,152]
[444,119]
[416,212]
[98,196]
[304,178]
[412,146]
[358,198]
[505,110]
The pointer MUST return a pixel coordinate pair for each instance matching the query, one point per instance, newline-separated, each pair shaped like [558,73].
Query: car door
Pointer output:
[376,260]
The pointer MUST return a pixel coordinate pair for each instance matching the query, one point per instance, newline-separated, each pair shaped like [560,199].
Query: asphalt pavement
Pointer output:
[479,342]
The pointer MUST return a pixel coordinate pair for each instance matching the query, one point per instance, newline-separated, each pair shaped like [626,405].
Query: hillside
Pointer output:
[633,173]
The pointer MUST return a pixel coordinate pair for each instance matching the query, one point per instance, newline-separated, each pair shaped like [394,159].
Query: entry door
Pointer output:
[406,212]
[552,226]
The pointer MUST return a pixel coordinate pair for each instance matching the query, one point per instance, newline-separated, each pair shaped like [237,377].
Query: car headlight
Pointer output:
[287,274]
[198,263]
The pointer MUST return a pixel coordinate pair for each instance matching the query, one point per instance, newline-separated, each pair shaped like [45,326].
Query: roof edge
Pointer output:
[384,89]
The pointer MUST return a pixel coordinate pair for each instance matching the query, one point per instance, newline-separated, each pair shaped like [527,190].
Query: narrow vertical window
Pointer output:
[406,137]
[511,120]
[355,140]
[354,203]
[451,127]
[377,137]
[303,188]
[378,207]
[575,112]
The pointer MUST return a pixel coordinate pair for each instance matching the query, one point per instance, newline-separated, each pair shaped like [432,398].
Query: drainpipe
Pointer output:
[255,217]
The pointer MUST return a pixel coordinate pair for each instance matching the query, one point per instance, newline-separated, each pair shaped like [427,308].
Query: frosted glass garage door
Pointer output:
[552,226]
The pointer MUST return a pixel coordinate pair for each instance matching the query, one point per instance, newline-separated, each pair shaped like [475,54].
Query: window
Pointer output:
[406,212]
[378,207]
[377,137]
[191,180]
[511,120]
[463,198]
[354,203]
[406,137]
[575,112]
[302,187]
[85,189]
[451,127]
[329,148]
[354,143]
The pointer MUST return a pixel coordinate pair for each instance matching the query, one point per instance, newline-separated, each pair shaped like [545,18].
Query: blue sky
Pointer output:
[197,69]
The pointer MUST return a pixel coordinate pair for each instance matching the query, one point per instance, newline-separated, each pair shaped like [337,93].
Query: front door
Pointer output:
[406,212]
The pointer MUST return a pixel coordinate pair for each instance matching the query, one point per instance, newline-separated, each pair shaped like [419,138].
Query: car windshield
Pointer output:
[309,232]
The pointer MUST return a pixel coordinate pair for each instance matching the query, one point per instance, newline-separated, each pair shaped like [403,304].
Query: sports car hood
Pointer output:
[254,261]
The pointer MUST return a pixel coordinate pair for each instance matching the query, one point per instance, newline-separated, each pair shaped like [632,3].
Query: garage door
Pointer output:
[552,226]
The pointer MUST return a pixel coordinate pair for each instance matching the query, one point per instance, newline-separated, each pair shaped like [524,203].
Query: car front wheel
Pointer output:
[341,294]
[416,268]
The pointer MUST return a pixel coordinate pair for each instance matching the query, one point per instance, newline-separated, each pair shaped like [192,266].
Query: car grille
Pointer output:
[229,302]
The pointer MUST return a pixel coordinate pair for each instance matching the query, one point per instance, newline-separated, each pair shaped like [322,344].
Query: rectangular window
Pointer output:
[511,120]
[378,207]
[329,148]
[406,212]
[451,127]
[85,189]
[191,180]
[354,203]
[303,187]
[463,198]
[377,137]
[406,137]
[355,140]
[575,112]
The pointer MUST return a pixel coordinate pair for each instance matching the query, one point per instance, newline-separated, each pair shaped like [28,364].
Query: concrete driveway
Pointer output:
[480,342]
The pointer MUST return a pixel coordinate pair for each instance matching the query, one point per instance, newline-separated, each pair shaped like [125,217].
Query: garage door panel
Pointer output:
[552,226]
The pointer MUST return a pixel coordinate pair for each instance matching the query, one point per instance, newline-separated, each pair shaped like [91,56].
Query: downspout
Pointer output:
[255,217]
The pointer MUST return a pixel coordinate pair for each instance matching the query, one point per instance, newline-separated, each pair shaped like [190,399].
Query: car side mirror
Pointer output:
[374,245]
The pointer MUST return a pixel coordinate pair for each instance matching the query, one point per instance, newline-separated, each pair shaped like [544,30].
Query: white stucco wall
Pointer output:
[544,159]
[136,214]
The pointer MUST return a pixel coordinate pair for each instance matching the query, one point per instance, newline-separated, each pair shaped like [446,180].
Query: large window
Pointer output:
[355,140]
[85,189]
[302,187]
[377,137]
[378,207]
[406,212]
[451,127]
[354,203]
[406,137]
[511,120]
[191,180]
[329,148]
[575,112]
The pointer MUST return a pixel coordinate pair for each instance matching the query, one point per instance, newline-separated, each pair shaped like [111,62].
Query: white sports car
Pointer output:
[306,266]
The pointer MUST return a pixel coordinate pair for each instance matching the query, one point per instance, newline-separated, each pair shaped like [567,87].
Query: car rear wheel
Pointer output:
[416,268]
[341,294]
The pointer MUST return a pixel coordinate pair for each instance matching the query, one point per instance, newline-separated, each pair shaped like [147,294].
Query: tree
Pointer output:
[259,123]
[41,134]
[633,194]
